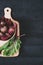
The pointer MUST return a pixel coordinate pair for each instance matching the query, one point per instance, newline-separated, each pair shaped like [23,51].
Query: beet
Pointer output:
[8,22]
[11,30]
[0,26]
[2,23]
[1,34]
[4,38]
[7,28]
[3,29]
[8,35]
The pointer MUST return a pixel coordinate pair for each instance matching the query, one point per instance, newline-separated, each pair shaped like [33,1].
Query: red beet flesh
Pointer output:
[7,28]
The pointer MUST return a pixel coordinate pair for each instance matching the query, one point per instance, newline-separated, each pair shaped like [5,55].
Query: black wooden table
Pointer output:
[30,15]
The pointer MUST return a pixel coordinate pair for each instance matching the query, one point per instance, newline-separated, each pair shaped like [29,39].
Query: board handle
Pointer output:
[7,12]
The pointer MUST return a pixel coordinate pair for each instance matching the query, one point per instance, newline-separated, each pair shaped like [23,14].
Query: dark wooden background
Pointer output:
[29,13]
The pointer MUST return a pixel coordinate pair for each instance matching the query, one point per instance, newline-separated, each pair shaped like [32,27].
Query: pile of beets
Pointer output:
[7,28]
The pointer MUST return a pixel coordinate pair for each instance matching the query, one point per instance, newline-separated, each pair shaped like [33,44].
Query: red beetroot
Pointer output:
[2,23]
[8,35]
[8,21]
[0,26]
[3,29]
[11,30]
[7,28]
[4,38]
[1,34]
